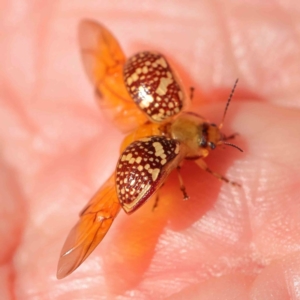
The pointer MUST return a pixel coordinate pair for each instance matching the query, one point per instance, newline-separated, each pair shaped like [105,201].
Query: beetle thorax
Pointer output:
[196,134]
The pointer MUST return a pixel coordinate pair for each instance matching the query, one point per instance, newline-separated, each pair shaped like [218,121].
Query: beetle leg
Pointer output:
[192,89]
[156,202]
[204,167]
[182,187]
[230,137]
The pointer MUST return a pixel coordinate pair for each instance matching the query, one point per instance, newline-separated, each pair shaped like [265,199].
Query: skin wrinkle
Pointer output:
[224,23]
[289,20]
[17,109]
[41,49]
[138,258]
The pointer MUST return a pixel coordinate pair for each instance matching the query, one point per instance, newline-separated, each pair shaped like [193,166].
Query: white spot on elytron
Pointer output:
[138,70]
[157,146]
[145,139]
[123,157]
[134,77]
[147,63]
[140,168]
[155,174]
[162,62]
[154,65]
[177,149]
[145,97]
[120,165]
[142,185]
[159,153]
[147,166]
[158,98]
[170,105]
[122,191]
[125,180]
[145,69]
[157,118]
[163,161]
[132,160]
[132,182]
[138,160]
[150,171]
[177,110]
[163,86]
[128,157]
[129,81]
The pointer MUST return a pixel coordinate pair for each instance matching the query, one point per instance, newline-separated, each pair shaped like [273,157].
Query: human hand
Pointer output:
[57,149]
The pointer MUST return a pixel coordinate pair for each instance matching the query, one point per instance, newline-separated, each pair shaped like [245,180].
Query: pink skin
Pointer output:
[57,149]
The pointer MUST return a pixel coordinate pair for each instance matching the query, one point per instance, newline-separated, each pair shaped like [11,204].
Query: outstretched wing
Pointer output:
[95,221]
[104,60]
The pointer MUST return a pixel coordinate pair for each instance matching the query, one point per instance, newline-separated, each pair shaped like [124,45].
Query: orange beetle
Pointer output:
[142,94]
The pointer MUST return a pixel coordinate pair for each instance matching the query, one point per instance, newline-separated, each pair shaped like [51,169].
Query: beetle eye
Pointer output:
[203,142]
[212,146]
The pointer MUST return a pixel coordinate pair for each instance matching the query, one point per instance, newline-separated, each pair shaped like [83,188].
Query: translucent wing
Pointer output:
[104,60]
[95,221]
[143,167]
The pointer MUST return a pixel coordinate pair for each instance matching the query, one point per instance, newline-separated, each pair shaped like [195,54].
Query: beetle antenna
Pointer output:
[228,102]
[233,145]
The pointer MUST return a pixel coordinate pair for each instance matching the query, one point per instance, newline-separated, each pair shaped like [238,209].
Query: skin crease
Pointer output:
[57,149]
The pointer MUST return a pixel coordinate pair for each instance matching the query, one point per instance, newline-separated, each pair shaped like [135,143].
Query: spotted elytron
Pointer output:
[143,95]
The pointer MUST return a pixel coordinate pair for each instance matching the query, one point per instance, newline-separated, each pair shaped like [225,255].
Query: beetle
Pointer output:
[143,95]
